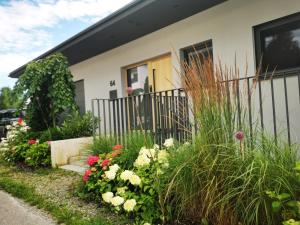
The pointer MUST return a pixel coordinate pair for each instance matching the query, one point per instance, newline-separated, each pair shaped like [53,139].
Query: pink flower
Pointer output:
[130,90]
[92,160]
[105,162]
[117,147]
[48,142]
[86,175]
[239,135]
[32,141]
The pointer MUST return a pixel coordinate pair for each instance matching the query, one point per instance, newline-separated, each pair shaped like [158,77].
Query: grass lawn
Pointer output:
[53,190]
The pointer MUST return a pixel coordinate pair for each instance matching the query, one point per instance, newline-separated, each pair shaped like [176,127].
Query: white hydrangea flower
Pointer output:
[129,205]
[107,197]
[150,153]
[142,160]
[162,156]
[147,223]
[110,174]
[116,201]
[126,174]
[114,168]
[121,190]
[135,180]
[156,146]
[15,123]
[8,127]
[169,143]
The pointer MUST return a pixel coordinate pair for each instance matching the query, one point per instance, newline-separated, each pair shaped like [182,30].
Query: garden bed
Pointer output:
[54,190]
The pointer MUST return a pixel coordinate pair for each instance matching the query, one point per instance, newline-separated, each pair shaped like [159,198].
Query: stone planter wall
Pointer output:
[63,150]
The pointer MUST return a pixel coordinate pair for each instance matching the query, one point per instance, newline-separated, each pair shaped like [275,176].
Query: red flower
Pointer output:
[86,175]
[115,154]
[105,162]
[20,121]
[32,141]
[117,147]
[239,135]
[92,160]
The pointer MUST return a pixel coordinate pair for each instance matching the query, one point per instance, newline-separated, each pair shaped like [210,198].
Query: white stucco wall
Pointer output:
[229,25]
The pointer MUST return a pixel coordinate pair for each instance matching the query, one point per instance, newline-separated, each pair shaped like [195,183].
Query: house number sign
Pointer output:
[112,83]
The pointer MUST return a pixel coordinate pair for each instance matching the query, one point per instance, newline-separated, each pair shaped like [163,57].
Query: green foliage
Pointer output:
[48,84]
[38,155]
[101,144]
[133,143]
[16,154]
[8,98]
[142,184]
[76,125]
[51,134]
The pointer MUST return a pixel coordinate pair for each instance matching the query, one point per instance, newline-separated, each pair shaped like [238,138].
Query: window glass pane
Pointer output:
[280,46]
[137,79]
[200,51]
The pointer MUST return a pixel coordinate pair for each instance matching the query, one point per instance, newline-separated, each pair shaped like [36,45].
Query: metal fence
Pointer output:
[274,106]
[162,114]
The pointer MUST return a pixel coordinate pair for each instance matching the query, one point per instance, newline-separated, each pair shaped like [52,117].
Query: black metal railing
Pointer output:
[271,103]
[162,114]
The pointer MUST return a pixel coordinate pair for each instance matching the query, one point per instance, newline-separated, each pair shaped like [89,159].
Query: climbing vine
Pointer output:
[48,91]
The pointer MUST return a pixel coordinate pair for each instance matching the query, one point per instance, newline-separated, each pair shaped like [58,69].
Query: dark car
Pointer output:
[7,117]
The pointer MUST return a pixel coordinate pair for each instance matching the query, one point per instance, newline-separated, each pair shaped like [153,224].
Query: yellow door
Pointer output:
[160,74]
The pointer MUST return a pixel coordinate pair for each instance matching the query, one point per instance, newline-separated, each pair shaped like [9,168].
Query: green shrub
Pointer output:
[16,154]
[101,144]
[38,155]
[133,143]
[76,125]
[52,134]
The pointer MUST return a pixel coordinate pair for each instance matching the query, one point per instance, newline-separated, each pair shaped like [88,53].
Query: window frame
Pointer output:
[199,46]
[258,29]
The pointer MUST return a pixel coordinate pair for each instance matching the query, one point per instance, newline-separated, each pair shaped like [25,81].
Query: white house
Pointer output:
[138,46]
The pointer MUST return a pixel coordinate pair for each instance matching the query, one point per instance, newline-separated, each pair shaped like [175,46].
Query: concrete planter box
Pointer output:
[63,150]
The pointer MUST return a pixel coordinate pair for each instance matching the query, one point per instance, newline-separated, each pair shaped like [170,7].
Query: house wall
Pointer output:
[229,25]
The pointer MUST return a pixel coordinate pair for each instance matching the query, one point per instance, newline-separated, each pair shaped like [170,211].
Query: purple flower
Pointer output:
[239,135]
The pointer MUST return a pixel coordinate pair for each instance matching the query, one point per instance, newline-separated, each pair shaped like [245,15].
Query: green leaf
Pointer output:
[283,196]
[276,206]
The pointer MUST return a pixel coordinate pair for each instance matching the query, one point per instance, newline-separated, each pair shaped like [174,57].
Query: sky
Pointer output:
[28,28]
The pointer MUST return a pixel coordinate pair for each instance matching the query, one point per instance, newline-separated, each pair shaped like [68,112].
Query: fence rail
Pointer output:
[163,114]
[274,106]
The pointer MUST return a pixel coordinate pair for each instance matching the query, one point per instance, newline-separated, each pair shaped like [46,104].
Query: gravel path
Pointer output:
[15,212]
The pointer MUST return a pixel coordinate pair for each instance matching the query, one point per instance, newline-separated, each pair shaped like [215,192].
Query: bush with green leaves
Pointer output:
[47,89]
[38,155]
[76,125]
[136,191]
[133,142]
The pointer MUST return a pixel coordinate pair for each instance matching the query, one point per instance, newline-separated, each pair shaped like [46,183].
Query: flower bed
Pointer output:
[17,148]
[133,192]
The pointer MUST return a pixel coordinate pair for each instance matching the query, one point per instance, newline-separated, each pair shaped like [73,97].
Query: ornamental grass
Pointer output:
[222,178]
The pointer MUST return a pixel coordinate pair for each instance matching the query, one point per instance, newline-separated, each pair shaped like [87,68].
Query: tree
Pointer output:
[48,91]
[9,98]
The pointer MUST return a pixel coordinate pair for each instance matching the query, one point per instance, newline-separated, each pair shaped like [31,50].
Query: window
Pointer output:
[202,50]
[79,95]
[137,79]
[277,44]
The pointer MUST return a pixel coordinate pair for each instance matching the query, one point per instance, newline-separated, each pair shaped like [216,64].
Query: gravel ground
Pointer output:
[15,212]
[58,186]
